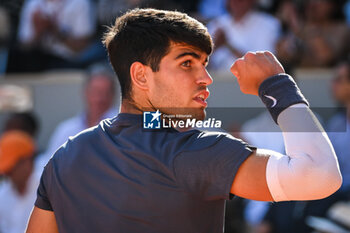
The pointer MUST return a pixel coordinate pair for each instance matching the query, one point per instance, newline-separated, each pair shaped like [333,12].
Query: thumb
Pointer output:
[234,68]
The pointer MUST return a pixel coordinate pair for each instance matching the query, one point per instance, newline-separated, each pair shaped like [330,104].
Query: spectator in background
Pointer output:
[243,29]
[25,121]
[339,125]
[109,9]
[4,38]
[56,34]
[318,39]
[18,190]
[21,175]
[347,11]
[99,92]
[337,221]
[210,9]
[285,217]
[263,132]
[269,6]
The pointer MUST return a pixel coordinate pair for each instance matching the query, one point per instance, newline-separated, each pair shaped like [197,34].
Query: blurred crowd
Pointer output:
[41,35]
[37,35]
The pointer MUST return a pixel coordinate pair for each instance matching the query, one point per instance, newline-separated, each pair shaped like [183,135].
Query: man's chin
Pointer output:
[200,114]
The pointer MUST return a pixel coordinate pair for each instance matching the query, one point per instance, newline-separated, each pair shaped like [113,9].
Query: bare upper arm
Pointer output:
[250,181]
[42,221]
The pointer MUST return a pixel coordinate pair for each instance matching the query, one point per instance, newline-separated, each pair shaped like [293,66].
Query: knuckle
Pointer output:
[269,54]
[249,55]
[236,64]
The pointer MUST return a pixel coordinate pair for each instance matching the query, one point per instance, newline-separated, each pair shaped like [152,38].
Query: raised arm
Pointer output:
[42,221]
[310,169]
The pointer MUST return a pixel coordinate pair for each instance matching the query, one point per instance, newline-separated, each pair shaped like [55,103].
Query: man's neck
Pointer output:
[129,106]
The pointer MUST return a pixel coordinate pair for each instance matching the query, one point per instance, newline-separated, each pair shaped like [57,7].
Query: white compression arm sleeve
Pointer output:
[310,169]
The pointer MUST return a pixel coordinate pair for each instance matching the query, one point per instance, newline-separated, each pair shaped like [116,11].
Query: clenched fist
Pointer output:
[253,68]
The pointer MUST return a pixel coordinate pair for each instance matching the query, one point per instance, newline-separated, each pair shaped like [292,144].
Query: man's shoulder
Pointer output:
[81,140]
[90,134]
[195,140]
[85,136]
[72,155]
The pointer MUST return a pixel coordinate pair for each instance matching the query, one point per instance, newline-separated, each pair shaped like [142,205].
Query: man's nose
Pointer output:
[205,78]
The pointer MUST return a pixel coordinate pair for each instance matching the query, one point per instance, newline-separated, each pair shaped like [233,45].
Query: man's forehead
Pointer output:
[178,48]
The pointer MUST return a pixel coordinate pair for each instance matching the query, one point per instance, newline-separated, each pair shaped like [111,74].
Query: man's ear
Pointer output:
[138,75]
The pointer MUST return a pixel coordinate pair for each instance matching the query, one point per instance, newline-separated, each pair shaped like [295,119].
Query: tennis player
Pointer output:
[118,177]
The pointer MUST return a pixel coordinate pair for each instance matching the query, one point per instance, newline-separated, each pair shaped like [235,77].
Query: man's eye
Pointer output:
[186,64]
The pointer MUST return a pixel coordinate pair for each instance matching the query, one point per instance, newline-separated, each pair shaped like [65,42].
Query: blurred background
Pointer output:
[55,80]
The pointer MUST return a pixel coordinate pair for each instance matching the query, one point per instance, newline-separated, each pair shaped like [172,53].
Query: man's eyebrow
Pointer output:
[193,54]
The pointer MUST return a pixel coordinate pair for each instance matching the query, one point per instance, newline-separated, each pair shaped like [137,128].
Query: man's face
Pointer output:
[180,85]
